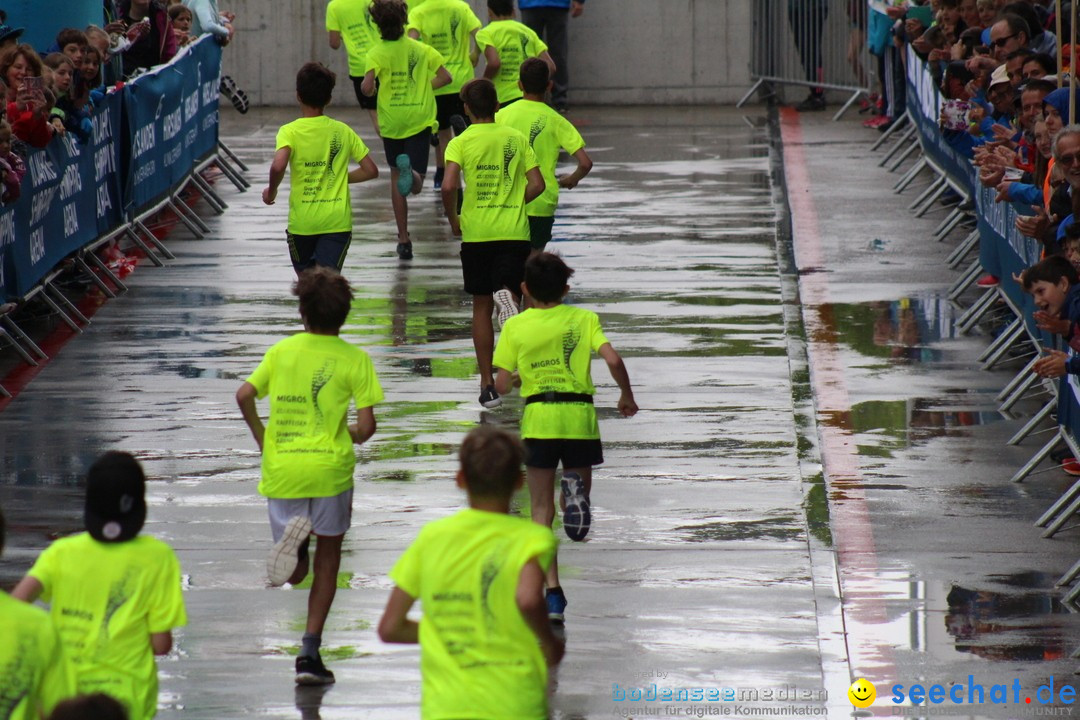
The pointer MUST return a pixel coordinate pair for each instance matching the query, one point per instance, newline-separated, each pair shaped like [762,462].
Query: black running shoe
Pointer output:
[311,671]
[404,251]
[489,398]
[457,122]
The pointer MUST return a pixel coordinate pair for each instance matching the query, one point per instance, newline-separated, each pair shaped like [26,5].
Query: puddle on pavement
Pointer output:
[1016,617]
[898,331]
[884,427]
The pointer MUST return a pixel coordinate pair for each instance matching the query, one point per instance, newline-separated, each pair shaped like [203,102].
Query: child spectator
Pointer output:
[73,43]
[27,105]
[90,72]
[550,345]
[350,21]
[988,12]
[110,65]
[501,175]
[317,149]
[548,133]
[145,24]
[37,675]
[485,645]
[1071,245]
[1053,284]
[307,447]
[90,707]
[181,16]
[114,594]
[506,43]
[407,73]
[12,167]
[75,119]
[449,26]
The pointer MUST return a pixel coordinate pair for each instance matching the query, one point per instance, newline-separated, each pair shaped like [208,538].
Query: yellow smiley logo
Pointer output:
[862,693]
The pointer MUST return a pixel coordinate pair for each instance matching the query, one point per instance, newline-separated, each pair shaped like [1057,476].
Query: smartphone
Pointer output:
[33,84]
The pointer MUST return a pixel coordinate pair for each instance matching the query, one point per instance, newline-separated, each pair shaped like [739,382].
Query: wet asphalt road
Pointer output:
[698,526]
[719,556]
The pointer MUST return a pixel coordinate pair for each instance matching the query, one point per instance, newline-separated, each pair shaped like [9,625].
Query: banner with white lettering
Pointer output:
[1003,251]
[70,197]
[172,116]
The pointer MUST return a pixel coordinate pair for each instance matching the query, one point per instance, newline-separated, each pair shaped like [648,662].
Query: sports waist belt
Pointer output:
[559,397]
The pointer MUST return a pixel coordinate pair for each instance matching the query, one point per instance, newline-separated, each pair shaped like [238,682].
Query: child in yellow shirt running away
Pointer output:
[551,346]
[485,645]
[114,594]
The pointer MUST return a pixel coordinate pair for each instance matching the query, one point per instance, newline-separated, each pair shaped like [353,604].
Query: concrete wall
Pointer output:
[621,51]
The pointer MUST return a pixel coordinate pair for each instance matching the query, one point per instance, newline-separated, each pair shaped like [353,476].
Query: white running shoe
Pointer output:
[505,305]
[285,555]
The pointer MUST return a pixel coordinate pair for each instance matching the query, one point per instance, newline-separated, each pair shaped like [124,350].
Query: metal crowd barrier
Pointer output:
[811,43]
[1002,251]
[152,141]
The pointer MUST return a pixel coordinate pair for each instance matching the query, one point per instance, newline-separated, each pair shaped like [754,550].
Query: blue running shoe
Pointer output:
[405,178]
[556,602]
[576,517]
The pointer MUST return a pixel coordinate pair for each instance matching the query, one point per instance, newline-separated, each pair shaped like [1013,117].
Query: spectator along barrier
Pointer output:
[1002,251]
[151,139]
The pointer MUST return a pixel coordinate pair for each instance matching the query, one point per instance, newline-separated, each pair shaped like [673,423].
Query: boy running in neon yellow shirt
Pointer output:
[506,43]
[35,670]
[407,73]
[548,132]
[350,21]
[317,149]
[501,175]
[114,595]
[551,345]
[450,27]
[308,457]
[485,643]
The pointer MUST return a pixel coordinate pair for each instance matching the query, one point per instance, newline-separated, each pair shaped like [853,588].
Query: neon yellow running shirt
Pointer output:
[548,132]
[405,69]
[552,351]
[33,664]
[106,600]
[478,657]
[311,379]
[516,43]
[352,18]
[494,161]
[319,199]
[447,25]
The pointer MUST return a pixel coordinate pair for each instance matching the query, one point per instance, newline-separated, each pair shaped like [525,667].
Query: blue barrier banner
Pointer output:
[146,139]
[1003,251]
[172,115]
[70,197]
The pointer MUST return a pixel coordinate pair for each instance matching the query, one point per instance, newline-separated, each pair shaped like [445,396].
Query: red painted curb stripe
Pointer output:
[850,520]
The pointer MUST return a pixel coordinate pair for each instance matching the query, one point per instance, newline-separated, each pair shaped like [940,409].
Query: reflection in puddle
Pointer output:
[1014,618]
[887,426]
[1007,626]
[902,330]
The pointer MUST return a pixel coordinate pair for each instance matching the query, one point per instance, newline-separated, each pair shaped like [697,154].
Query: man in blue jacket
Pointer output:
[548,19]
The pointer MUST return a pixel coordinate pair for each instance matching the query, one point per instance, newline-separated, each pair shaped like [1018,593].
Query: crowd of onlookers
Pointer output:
[1006,107]
[51,92]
